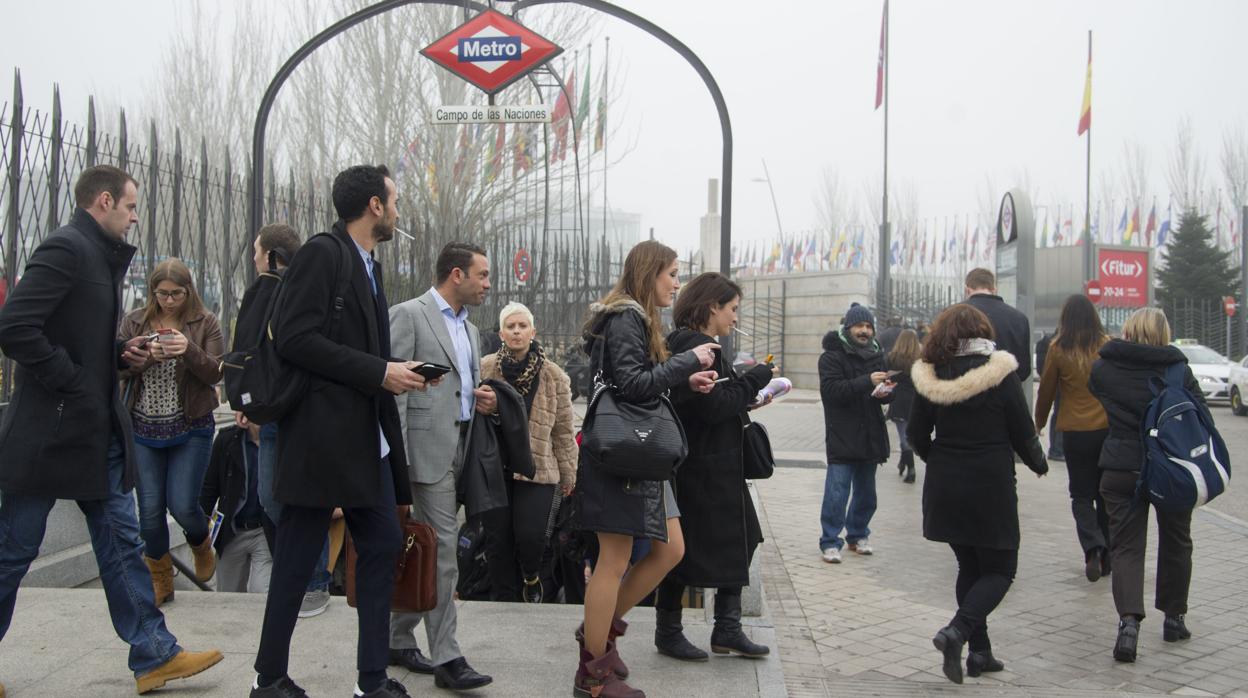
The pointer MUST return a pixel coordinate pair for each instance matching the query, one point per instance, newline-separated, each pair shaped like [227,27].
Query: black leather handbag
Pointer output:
[757,459]
[639,441]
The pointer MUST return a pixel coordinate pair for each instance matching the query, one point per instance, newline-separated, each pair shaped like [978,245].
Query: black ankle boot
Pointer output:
[908,457]
[1128,636]
[669,638]
[949,640]
[981,662]
[1174,629]
[728,637]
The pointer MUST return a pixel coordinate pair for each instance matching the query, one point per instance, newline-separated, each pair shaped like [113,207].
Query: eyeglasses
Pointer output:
[175,294]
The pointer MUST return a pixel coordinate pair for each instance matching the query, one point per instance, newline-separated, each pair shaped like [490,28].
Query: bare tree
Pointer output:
[830,204]
[1235,168]
[1186,170]
[1134,172]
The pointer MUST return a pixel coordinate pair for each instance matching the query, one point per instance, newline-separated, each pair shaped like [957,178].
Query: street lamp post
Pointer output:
[767,178]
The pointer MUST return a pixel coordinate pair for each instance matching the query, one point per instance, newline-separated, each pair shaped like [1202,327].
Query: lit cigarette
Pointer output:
[741,332]
[404,233]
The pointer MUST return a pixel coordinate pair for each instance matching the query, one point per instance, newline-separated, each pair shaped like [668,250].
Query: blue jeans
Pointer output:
[840,480]
[170,480]
[118,553]
[267,468]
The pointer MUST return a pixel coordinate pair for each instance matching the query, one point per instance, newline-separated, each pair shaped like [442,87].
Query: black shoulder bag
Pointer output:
[638,441]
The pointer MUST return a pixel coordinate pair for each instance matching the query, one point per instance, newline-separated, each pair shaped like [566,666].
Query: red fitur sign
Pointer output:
[1124,278]
[491,51]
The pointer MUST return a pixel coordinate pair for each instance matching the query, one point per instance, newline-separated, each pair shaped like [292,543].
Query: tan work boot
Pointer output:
[1,690]
[162,577]
[205,559]
[183,664]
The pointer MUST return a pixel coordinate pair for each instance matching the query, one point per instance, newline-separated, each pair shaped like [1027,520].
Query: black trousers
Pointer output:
[1083,455]
[1128,529]
[516,537]
[984,577]
[669,594]
[300,537]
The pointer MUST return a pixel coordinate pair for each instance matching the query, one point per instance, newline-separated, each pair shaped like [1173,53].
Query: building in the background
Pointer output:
[707,258]
[623,228]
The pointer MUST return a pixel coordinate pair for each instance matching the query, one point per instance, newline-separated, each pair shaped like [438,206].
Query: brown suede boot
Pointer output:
[205,559]
[618,628]
[182,665]
[596,678]
[162,577]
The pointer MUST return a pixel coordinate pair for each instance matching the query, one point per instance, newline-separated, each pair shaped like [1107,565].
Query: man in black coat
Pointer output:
[341,445]
[851,370]
[66,433]
[1012,328]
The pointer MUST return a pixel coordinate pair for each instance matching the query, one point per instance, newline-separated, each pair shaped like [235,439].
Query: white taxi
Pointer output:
[1212,370]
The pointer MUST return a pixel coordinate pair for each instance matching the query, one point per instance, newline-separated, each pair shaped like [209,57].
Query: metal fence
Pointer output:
[1203,320]
[192,203]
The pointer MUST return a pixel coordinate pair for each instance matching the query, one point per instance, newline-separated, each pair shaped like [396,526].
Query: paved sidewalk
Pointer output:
[864,627]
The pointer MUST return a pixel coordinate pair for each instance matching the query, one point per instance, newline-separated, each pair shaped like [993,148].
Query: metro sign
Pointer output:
[491,51]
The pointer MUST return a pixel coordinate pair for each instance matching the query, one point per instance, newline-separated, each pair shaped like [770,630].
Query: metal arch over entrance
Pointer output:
[255,185]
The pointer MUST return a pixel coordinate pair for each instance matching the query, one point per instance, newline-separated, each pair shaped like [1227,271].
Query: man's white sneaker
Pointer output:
[832,555]
[862,547]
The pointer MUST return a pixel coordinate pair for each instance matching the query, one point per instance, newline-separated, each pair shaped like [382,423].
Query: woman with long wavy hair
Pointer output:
[901,359]
[624,339]
[1082,423]
[171,399]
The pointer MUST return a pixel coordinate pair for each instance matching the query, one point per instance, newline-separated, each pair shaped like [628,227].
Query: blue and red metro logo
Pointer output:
[491,51]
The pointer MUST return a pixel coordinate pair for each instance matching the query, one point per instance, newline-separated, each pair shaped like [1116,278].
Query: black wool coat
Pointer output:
[854,429]
[498,447]
[225,482]
[903,394]
[976,407]
[328,448]
[717,515]
[1120,380]
[59,326]
[619,339]
[1011,326]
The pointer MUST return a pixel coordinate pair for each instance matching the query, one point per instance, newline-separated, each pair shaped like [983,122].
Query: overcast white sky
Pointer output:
[978,88]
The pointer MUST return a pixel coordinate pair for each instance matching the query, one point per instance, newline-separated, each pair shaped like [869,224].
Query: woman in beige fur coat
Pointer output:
[518,533]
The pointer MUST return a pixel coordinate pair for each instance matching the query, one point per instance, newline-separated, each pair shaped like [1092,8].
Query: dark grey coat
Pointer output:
[60,328]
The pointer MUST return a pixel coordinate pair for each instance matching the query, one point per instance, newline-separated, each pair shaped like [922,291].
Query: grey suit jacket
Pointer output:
[430,434]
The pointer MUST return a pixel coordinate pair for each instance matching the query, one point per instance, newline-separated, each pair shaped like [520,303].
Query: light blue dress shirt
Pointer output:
[368,269]
[457,326]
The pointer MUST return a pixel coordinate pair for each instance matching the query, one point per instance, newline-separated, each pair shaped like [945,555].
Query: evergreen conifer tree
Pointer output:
[1195,268]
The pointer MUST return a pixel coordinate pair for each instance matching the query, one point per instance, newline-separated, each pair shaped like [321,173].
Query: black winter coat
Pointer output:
[854,429]
[498,447]
[1012,328]
[225,482]
[1120,380]
[975,404]
[903,394]
[59,326]
[619,340]
[328,450]
[717,515]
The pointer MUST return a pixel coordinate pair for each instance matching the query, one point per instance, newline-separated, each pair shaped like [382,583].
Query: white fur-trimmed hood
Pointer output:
[966,386]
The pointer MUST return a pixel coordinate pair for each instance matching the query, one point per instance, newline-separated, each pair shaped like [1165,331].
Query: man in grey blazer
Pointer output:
[434,328]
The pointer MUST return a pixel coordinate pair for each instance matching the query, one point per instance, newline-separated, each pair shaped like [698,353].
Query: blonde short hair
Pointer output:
[1147,326]
[513,308]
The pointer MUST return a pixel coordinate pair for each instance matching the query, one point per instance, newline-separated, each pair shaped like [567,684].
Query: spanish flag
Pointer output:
[1085,114]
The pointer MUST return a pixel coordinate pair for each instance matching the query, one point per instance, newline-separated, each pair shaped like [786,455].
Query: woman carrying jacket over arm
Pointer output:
[623,335]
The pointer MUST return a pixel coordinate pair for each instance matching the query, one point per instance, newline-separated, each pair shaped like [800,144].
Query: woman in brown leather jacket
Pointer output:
[171,398]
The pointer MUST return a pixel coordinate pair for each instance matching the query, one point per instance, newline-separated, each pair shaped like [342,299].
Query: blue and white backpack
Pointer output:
[1186,463]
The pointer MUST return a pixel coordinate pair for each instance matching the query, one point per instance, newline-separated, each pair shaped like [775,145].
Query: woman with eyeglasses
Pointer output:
[171,398]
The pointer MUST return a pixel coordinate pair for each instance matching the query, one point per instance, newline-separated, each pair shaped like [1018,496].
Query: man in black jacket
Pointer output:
[341,445]
[1012,328]
[66,434]
[851,371]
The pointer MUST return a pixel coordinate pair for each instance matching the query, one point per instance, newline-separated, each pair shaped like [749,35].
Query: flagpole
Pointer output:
[1089,262]
[882,295]
[606,71]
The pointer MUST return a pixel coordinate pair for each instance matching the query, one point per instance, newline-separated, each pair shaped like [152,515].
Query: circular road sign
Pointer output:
[1093,291]
[1229,305]
[521,265]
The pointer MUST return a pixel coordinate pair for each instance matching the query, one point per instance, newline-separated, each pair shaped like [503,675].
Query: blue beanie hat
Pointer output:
[858,314]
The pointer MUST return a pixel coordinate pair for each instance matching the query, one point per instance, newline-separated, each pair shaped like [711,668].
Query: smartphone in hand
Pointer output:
[431,371]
